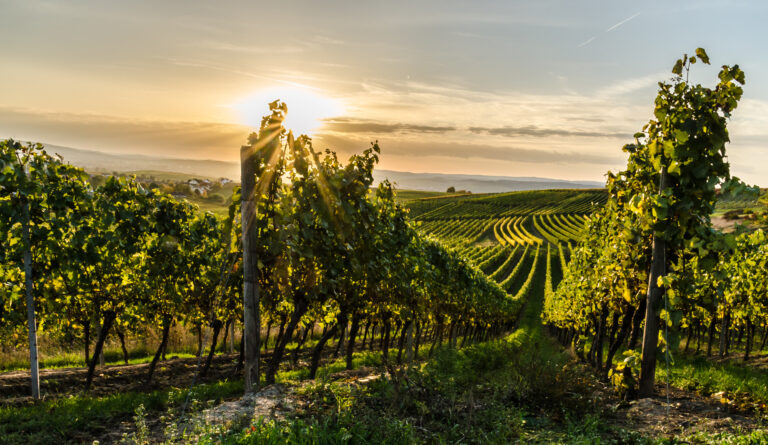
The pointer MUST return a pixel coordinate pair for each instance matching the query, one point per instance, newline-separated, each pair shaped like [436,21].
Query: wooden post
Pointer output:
[251,316]
[34,369]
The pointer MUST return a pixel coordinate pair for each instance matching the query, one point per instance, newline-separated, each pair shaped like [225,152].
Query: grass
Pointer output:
[741,381]
[410,195]
[518,389]
[81,418]
[744,386]
[515,389]
[218,208]
[359,359]
[56,357]
[510,390]
[74,360]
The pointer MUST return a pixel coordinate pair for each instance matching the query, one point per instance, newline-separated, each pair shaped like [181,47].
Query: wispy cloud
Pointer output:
[534,131]
[342,125]
[197,140]
[466,151]
[633,84]
[269,48]
[326,40]
[235,71]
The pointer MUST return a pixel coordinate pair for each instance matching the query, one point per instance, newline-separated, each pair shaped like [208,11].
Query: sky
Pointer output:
[516,88]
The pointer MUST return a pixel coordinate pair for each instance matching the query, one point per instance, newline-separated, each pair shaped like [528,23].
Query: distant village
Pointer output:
[202,188]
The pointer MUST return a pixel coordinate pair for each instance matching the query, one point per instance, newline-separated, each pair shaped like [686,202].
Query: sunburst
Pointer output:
[306,108]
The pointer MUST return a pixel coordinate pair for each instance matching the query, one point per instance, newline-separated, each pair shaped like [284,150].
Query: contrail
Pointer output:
[591,39]
[621,23]
[586,42]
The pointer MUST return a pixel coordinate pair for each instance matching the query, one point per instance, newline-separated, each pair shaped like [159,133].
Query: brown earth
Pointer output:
[678,412]
[725,225]
[54,383]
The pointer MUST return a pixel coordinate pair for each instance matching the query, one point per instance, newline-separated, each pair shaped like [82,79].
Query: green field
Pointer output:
[521,240]
[411,195]
[165,176]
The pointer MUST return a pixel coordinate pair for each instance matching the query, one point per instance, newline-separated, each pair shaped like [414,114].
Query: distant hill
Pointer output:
[439,182]
[434,182]
[109,162]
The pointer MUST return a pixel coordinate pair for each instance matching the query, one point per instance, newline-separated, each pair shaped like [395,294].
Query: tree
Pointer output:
[451,189]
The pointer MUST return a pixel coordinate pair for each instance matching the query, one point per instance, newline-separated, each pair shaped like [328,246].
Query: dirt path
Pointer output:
[726,225]
[174,372]
[686,413]
[177,372]
[273,402]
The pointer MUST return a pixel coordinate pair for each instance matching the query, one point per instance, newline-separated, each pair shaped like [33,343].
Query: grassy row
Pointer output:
[504,267]
[525,291]
[508,204]
[492,262]
[556,222]
[524,233]
[547,232]
[508,282]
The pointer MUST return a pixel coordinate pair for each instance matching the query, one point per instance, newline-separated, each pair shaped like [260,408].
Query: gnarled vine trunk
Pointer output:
[109,318]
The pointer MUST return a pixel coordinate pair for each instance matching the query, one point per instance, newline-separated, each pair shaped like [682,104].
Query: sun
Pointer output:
[306,108]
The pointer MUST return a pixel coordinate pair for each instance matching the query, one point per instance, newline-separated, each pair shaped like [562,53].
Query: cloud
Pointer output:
[465,151]
[584,119]
[534,131]
[191,140]
[267,48]
[633,84]
[234,71]
[326,40]
[343,125]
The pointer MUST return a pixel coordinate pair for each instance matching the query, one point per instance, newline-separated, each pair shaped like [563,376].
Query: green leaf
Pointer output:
[678,68]
[681,136]
[701,54]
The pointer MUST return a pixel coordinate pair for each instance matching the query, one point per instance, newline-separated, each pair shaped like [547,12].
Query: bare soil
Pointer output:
[681,412]
[723,224]
[174,372]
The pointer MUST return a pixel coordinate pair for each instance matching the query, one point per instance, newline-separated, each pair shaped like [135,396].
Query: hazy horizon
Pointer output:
[100,162]
[546,89]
